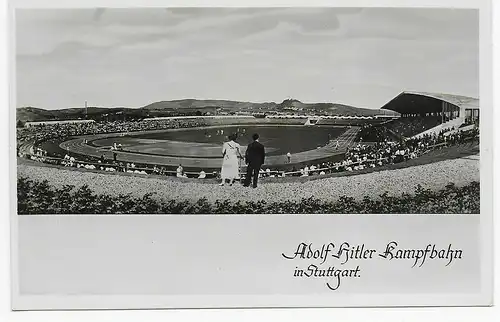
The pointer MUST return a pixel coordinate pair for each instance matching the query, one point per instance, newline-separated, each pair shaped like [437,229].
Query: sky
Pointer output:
[132,57]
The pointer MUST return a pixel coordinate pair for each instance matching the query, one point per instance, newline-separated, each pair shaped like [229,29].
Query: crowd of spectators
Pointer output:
[374,133]
[364,156]
[410,126]
[91,163]
[46,132]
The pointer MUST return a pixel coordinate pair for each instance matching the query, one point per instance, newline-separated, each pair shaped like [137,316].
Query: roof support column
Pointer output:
[442,112]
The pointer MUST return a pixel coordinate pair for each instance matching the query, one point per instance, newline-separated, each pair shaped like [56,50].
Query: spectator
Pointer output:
[180,172]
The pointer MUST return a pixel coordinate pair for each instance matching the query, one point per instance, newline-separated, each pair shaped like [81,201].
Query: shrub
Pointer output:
[38,197]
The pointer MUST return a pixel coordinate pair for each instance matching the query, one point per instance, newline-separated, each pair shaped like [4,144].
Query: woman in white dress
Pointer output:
[231,154]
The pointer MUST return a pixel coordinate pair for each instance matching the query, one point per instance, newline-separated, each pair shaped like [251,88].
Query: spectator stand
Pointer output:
[394,153]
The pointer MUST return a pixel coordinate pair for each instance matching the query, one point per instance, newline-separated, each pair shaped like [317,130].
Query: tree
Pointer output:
[19,124]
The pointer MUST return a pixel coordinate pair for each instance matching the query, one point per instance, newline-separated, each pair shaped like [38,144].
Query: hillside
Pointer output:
[188,107]
[209,105]
[193,103]
[38,114]
[329,108]
[32,114]
[288,105]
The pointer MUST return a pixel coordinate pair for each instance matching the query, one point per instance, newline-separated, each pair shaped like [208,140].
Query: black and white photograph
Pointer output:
[168,155]
[247,110]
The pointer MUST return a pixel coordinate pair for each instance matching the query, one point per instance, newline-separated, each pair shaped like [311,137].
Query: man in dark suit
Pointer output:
[254,158]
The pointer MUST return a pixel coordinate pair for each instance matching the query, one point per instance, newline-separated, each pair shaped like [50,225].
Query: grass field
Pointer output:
[278,140]
[153,147]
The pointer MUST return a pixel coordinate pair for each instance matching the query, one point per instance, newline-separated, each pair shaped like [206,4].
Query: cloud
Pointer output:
[39,32]
[410,24]
[129,57]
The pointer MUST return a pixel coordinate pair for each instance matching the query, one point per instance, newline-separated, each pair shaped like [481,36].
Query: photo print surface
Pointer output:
[247,110]
[210,157]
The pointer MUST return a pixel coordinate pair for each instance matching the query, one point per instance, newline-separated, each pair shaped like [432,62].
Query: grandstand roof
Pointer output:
[423,102]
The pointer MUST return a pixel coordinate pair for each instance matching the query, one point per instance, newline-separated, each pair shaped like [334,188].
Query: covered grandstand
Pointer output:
[427,113]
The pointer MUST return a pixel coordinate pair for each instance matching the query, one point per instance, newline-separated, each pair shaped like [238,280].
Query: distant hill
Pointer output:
[189,107]
[38,114]
[235,106]
[328,108]
[193,103]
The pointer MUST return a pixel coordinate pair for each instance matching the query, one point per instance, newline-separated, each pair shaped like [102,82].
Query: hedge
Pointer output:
[39,197]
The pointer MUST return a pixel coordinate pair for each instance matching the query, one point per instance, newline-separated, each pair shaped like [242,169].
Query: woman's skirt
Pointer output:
[230,168]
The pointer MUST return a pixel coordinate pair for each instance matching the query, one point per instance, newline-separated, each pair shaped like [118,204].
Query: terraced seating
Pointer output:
[410,126]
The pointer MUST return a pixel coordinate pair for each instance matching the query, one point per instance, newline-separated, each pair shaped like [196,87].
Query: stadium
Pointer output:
[417,145]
